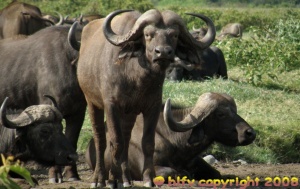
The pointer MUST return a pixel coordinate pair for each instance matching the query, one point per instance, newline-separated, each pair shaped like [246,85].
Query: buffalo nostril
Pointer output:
[169,50]
[157,50]
[250,133]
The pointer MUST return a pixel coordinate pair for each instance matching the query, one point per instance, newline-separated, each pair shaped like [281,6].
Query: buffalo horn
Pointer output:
[204,106]
[209,37]
[52,100]
[196,29]
[32,114]
[111,36]
[4,121]
[182,63]
[72,37]
[61,20]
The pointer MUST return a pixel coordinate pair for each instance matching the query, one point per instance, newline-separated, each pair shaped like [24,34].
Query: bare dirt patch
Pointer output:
[281,174]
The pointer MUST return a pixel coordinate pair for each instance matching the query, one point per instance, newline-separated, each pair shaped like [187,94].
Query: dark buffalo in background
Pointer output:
[121,70]
[21,18]
[213,65]
[178,150]
[35,133]
[44,63]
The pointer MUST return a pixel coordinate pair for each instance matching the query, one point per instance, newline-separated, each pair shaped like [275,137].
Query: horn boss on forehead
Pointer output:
[32,114]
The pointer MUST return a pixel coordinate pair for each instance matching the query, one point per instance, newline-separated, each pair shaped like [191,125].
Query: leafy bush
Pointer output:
[10,165]
[267,52]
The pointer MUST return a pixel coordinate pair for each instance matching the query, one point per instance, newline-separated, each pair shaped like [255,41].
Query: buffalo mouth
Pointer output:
[66,159]
[163,60]
[245,142]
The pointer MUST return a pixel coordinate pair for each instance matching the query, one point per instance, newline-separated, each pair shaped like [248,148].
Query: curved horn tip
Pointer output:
[52,99]
[3,120]
[107,30]
[166,108]
[4,103]
[209,37]
[71,37]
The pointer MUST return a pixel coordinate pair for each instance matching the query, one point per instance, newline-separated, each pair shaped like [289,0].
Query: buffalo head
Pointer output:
[39,135]
[214,118]
[160,35]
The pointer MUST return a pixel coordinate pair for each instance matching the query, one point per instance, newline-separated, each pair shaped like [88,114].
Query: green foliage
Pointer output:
[267,52]
[77,7]
[10,165]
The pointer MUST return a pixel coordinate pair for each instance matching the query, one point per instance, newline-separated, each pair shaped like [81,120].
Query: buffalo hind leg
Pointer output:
[97,121]
[116,143]
[127,127]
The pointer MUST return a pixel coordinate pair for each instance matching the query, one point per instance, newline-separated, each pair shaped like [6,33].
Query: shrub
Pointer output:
[267,52]
[10,165]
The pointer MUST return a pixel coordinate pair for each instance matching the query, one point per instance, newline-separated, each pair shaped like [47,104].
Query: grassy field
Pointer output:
[274,114]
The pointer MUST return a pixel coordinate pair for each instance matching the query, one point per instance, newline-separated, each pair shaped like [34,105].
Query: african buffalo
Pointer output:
[213,65]
[231,30]
[56,20]
[44,63]
[35,133]
[21,18]
[122,76]
[198,33]
[178,150]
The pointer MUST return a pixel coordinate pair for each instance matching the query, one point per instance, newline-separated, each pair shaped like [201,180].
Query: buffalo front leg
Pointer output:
[73,127]
[148,145]
[55,174]
[202,170]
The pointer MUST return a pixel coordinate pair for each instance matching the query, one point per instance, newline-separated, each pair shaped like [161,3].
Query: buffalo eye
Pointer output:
[149,36]
[221,115]
[45,133]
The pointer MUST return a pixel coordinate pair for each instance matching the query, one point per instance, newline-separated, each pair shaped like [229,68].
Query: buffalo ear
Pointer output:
[188,54]
[131,49]
[197,136]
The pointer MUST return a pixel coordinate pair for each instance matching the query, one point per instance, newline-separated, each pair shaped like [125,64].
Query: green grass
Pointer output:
[273,113]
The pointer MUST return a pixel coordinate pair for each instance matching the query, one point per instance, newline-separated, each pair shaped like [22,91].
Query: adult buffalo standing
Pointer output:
[122,76]
[178,148]
[44,63]
[21,18]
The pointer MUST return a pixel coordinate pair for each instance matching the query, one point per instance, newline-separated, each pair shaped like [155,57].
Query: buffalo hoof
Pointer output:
[97,185]
[73,179]
[113,185]
[148,184]
[55,180]
[127,185]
